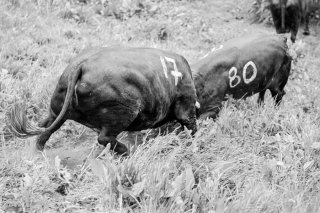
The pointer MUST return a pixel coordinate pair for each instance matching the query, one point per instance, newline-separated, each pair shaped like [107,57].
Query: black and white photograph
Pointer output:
[160,106]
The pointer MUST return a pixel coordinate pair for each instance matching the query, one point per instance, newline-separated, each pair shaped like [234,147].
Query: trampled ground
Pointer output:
[252,159]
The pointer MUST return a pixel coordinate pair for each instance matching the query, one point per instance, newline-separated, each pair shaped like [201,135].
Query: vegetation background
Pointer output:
[252,159]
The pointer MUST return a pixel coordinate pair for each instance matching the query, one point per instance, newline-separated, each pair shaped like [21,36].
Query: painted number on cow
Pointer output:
[175,73]
[234,79]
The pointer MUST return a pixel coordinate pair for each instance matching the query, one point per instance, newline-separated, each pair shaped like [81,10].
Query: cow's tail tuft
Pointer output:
[18,123]
[17,120]
[16,117]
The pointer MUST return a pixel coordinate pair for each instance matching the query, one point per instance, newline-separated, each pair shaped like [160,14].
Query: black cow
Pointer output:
[117,89]
[287,15]
[242,67]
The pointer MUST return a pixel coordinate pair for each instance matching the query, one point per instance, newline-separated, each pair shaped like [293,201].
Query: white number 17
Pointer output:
[175,73]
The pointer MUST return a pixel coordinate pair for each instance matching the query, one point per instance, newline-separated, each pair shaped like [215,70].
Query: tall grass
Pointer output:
[251,159]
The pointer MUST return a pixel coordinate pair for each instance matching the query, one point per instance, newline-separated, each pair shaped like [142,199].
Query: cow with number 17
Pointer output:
[116,89]
[240,68]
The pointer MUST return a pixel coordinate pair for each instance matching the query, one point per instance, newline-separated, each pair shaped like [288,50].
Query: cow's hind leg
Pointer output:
[113,120]
[105,137]
[277,95]
[44,137]
[277,88]
[261,97]
[280,80]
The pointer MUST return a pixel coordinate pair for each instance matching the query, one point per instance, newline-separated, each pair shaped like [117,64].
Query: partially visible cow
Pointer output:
[287,15]
[117,89]
[242,67]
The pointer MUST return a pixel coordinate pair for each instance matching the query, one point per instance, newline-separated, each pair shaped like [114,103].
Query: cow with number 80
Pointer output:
[240,68]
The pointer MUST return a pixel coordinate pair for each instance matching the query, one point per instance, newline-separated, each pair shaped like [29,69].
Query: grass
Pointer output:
[252,159]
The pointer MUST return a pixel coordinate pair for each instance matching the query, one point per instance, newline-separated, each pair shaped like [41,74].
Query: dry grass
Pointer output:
[252,159]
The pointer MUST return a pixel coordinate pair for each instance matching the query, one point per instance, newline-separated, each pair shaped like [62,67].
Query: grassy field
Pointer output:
[252,159]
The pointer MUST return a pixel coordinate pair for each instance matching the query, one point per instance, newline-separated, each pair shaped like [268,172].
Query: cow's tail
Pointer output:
[17,120]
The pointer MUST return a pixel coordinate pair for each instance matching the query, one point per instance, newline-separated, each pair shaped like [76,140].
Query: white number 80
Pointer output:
[234,80]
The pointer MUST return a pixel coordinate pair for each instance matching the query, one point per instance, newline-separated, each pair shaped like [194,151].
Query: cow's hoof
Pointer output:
[306,33]
[39,147]
[121,149]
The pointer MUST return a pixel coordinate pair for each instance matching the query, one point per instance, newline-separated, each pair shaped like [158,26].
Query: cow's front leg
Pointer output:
[190,123]
[185,112]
